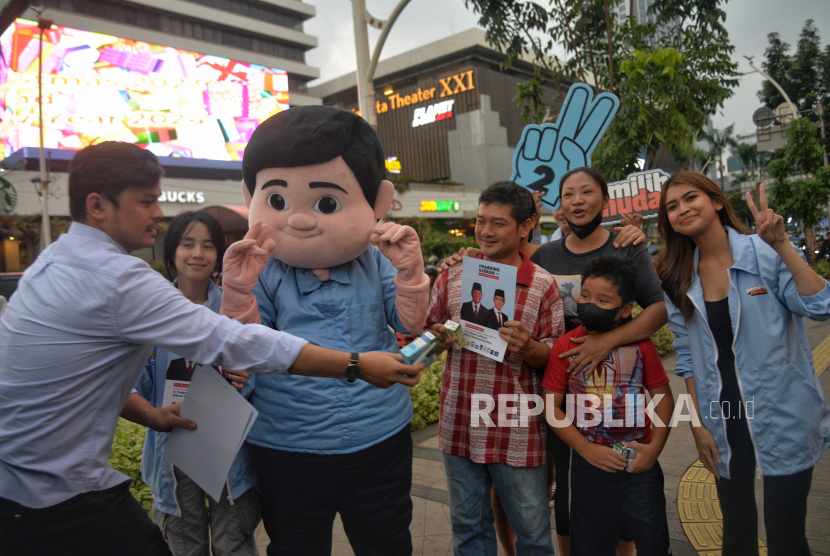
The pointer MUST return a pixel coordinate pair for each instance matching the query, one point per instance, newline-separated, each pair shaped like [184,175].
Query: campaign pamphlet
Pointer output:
[223,420]
[177,381]
[488,300]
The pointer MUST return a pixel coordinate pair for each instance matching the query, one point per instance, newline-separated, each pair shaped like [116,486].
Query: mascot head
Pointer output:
[316,176]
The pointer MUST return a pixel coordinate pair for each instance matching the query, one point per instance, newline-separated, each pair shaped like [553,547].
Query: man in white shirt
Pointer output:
[73,341]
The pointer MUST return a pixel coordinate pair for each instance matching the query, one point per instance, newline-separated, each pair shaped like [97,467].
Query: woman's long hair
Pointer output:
[676,261]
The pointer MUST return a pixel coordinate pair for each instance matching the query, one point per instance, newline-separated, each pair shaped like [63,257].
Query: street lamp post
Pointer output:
[45,225]
[366,66]
[793,108]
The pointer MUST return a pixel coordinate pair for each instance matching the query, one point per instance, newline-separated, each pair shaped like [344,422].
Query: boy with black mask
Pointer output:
[584,194]
[607,491]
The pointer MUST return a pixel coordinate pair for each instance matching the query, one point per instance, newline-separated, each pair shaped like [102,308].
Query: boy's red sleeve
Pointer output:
[654,375]
[556,371]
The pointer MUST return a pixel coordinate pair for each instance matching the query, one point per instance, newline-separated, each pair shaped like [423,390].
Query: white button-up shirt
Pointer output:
[73,341]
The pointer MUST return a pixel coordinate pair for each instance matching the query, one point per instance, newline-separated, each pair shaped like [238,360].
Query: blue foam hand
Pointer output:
[546,152]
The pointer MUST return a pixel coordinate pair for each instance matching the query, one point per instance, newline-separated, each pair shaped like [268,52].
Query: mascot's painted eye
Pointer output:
[278,202]
[327,205]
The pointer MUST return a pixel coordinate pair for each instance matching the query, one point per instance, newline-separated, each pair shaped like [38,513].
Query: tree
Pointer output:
[702,160]
[741,209]
[802,184]
[805,75]
[435,239]
[668,87]
[26,227]
[719,139]
[748,153]
[739,178]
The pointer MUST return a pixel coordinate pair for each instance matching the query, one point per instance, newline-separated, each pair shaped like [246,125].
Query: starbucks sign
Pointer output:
[8,197]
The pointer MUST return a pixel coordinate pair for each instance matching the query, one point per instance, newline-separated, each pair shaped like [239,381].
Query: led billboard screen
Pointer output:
[99,87]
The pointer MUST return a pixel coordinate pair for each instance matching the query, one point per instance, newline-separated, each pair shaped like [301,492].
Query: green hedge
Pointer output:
[126,458]
[662,339]
[822,268]
[426,395]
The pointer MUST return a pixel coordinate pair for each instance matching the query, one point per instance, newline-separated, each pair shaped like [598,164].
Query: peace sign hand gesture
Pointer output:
[546,152]
[770,226]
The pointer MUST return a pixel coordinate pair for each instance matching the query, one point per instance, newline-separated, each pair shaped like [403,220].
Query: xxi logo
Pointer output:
[456,83]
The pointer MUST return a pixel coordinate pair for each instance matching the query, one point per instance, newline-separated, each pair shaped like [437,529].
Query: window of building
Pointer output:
[256,10]
[177,25]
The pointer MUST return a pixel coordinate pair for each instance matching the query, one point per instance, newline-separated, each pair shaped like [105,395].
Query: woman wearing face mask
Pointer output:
[736,305]
[584,196]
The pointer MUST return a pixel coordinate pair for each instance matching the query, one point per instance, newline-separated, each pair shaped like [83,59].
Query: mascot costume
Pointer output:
[314,181]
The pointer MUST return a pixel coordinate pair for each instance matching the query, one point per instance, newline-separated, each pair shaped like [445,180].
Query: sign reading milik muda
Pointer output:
[639,192]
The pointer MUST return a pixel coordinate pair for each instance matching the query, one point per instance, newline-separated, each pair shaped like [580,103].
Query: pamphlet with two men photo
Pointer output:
[487,302]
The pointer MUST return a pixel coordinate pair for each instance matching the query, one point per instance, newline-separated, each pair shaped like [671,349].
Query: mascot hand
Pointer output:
[400,244]
[245,259]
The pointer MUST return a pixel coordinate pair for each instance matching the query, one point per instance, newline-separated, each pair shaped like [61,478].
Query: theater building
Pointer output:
[446,117]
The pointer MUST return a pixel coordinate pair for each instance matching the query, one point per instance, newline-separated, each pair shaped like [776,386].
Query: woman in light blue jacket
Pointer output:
[193,250]
[736,304]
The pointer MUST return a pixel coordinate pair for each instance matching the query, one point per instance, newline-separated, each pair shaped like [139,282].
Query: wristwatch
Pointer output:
[353,369]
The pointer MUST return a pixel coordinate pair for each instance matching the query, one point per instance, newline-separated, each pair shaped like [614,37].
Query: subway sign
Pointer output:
[445,87]
[440,206]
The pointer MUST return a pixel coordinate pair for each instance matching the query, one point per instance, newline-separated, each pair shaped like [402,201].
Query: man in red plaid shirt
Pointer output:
[507,455]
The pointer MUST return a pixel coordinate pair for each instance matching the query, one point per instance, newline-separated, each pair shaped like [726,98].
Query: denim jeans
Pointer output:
[523,494]
[227,529]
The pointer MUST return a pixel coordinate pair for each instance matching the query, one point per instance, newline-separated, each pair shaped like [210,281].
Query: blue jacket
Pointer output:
[789,420]
[156,471]
[351,312]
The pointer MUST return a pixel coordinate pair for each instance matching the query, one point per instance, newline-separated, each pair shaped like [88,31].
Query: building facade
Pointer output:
[264,32]
[445,111]
[256,49]
[642,16]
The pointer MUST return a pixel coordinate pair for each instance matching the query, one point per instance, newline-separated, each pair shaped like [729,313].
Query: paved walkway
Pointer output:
[431,535]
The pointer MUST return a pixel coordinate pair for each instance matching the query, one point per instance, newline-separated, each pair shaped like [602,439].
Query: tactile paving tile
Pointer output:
[697,497]
[700,513]
[821,356]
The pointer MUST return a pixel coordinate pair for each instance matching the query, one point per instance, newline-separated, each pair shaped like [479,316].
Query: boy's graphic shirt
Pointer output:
[617,413]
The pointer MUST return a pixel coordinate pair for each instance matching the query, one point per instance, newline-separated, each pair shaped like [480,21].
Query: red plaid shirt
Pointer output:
[539,308]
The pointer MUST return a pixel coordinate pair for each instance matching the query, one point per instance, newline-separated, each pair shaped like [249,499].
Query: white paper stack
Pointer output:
[223,420]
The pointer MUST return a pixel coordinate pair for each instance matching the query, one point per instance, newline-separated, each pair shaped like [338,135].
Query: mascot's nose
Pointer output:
[301,222]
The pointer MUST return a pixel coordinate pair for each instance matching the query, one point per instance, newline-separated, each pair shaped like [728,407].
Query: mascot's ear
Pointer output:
[383,201]
[246,194]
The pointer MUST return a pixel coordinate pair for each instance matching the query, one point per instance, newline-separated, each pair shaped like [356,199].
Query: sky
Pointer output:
[422,21]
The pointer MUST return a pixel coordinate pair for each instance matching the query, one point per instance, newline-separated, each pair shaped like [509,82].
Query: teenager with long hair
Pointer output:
[736,304]
[191,522]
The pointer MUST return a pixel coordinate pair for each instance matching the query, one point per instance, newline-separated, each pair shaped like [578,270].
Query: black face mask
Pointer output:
[584,231]
[595,318]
